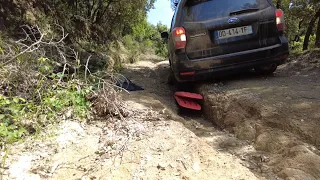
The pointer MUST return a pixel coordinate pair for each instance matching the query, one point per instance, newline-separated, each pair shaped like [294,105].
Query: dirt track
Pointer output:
[153,142]
[255,127]
[275,119]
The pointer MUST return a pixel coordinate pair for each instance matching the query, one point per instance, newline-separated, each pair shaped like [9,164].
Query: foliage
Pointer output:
[95,20]
[33,92]
[145,38]
[161,44]
[10,129]
[298,18]
[19,116]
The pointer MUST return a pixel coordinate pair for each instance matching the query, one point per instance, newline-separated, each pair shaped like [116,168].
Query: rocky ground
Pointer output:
[252,127]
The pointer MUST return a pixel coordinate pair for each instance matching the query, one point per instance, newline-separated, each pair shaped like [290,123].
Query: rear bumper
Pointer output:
[230,63]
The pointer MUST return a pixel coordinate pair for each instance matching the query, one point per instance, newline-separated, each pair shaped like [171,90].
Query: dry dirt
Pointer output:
[254,127]
[278,114]
[153,142]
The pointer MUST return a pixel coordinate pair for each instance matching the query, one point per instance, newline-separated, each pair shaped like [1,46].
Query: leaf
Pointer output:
[2,116]
[60,75]
[7,102]
[16,100]
[1,51]
[23,100]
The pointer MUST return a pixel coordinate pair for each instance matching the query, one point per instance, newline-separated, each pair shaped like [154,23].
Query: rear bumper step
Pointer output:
[224,70]
[230,63]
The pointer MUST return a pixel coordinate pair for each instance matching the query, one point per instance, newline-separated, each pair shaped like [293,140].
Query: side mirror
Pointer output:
[164,35]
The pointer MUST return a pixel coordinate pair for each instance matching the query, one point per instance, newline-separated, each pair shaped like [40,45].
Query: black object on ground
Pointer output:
[129,86]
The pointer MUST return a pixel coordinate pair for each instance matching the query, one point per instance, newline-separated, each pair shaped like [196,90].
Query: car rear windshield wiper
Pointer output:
[242,11]
[195,2]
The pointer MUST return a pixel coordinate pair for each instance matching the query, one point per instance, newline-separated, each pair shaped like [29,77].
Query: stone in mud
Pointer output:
[246,131]
[295,174]
[300,162]
[273,141]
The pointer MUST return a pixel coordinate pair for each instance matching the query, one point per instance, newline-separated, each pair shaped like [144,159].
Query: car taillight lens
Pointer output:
[280,20]
[180,38]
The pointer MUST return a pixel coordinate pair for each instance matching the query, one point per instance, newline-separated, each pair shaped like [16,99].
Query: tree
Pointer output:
[310,29]
[95,20]
[278,4]
[317,42]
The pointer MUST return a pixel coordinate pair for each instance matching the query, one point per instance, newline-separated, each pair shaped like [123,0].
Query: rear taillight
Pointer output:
[180,38]
[280,20]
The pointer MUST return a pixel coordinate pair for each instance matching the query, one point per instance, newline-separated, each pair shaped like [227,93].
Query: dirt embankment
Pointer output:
[278,114]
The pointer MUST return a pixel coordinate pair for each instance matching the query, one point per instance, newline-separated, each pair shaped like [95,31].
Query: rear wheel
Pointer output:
[171,79]
[174,82]
[266,69]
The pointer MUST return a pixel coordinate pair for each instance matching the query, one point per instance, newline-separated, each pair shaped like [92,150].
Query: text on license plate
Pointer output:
[233,32]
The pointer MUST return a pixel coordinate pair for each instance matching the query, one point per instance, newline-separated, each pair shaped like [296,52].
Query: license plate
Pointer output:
[233,32]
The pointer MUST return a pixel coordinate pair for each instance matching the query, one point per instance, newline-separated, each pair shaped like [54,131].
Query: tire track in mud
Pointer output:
[262,135]
[245,108]
[153,77]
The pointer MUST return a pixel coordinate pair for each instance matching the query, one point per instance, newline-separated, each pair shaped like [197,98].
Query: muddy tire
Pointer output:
[267,69]
[171,79]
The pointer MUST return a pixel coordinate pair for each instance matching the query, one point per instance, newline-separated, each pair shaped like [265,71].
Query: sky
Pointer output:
[162,13]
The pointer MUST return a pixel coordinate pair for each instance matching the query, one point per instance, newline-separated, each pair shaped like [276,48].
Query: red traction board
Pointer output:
[188,100]
[189,95]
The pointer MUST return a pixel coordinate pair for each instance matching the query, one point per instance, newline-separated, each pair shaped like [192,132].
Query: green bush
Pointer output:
[146,39]
[34,94]
[11,129]
[16,113]
[129,42]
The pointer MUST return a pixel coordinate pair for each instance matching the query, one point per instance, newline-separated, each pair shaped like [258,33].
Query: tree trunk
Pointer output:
[309,30]
[297,37]
[308,33]
[278,4]
[317,43]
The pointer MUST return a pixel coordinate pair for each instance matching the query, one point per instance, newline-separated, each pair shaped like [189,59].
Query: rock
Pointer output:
[295,174]
[273,141]
[162,166]
[246,131]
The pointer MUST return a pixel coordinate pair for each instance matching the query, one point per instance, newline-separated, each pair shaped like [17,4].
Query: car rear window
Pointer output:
[201,10]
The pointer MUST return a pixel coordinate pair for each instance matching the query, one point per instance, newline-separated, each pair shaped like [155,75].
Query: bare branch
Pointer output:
[87,69]
[29,49]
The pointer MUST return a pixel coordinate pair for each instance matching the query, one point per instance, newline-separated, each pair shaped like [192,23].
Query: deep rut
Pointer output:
[158,95]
